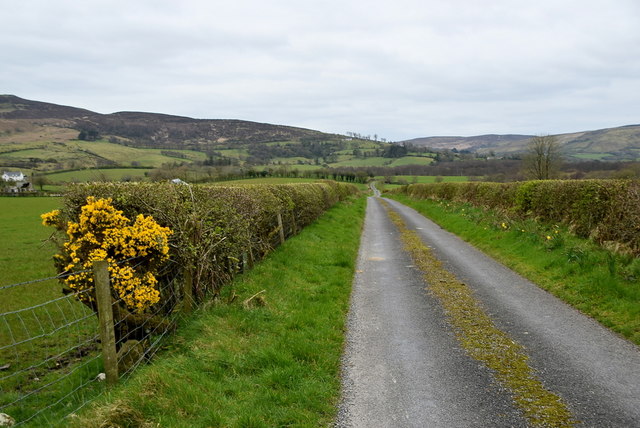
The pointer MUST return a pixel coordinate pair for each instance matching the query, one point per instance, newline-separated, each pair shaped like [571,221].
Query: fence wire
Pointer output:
[50,351]
[51,363]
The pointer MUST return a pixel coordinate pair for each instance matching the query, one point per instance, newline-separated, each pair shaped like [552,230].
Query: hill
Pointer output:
[620,143]
[139,129]
[43,136]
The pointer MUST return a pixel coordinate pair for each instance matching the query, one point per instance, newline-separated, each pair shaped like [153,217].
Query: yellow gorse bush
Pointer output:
[134,250]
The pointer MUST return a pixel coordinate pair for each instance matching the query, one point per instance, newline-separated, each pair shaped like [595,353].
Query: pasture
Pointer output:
[97,174]
[43,334]
[26,253]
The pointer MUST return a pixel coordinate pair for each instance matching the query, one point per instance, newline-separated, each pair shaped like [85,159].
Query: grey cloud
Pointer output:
[400,70]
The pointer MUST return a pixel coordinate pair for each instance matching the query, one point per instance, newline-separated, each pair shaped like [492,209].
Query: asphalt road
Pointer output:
[403,366]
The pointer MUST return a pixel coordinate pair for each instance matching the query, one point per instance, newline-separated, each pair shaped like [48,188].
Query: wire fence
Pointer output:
[51,353]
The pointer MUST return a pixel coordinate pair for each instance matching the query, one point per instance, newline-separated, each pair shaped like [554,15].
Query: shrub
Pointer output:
[134,251]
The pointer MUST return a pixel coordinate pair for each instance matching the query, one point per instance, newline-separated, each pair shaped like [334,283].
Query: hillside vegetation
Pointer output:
[48,137]
[620,143]
[45,138]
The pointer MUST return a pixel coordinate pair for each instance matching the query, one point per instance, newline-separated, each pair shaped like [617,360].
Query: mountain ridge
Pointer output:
[39,120]
[616,143]
[146,129]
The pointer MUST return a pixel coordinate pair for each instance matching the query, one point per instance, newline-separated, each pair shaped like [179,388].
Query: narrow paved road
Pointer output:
[404,367]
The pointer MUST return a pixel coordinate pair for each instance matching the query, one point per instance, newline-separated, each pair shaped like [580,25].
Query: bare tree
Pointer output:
[40,181]
[543,157]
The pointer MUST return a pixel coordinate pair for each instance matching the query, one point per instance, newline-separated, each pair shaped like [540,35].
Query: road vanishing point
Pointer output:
[405,366]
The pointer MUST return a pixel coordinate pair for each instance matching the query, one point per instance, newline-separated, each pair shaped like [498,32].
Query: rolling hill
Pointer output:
[44,136]
[139,129]
[620,143]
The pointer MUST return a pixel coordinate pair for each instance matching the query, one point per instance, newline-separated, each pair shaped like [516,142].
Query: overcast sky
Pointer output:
[399,69]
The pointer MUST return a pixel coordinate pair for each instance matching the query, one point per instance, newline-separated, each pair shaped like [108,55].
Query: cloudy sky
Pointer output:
[399,69]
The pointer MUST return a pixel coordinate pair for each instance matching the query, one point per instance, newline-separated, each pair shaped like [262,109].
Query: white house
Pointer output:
[15,182]
[13,176]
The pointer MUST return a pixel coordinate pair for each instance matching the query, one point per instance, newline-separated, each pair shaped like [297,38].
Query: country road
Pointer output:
[405,367]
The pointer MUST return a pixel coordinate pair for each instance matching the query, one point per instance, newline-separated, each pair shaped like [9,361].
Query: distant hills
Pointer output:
[45,136]
[621,143]
[137,129]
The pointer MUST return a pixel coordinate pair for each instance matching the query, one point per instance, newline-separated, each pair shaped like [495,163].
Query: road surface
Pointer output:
[404,367]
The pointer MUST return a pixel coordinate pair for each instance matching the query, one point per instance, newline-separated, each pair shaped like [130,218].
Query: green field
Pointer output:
[433,178]
[591,156]
[36,340]
[412,160]
[26,253]
[373,161]
[79,154]
[269,180]
[97,174]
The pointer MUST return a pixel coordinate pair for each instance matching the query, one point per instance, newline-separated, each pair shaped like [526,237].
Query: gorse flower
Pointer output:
[134,251]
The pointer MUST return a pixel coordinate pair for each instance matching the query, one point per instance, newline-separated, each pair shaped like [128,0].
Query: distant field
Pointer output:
[591,156]
[432,178]
[363,162]
[116,174]
[269,180]
[418,179]
[73,154]
[412,160]
[233,153]
[290,167]
[427,178]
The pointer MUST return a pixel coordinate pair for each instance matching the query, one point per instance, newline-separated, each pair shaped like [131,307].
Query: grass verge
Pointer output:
[275,363]
[597,281]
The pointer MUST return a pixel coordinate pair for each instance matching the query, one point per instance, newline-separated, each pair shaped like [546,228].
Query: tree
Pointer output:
[543,157]
[40,180]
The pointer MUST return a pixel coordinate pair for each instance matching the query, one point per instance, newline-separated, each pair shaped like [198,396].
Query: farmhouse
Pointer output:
[15,182]
[13,176]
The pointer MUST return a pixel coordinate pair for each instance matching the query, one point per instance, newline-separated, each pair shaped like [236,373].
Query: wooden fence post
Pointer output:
[280,228]
[105,317]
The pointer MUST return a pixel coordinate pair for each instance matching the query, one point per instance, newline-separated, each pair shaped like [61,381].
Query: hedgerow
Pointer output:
[209,232]
[608,211]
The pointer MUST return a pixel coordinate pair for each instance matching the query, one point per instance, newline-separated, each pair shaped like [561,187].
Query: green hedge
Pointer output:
[215,228]
[605,210]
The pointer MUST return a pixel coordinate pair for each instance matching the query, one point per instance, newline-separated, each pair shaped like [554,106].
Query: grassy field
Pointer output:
[417,179]
[83,154]
[35,340]
[26,253]
[598,282]
[272,365]
[412,160]
[267,180]
[97,174]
